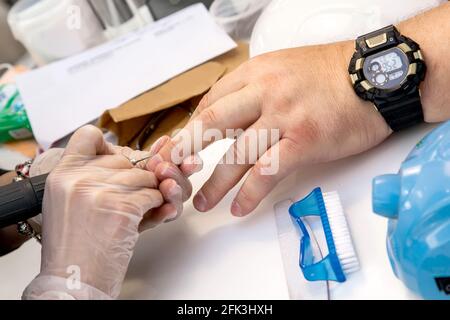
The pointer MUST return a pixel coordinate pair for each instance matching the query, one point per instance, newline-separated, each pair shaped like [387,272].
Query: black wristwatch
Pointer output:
[387,69]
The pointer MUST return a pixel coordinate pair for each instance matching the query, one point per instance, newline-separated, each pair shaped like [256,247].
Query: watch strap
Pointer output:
[403,112]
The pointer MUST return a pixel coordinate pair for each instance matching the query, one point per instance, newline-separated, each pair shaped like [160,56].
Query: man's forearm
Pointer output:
[431,30]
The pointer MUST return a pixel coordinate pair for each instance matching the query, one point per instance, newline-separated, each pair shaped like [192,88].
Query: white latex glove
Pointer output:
[93,204]
[46,162]
[175,187]
[43,164]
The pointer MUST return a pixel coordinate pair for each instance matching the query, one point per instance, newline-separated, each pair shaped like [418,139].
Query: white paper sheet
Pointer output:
[65,95]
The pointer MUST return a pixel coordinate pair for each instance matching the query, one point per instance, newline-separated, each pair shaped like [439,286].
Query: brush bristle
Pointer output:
[341,233]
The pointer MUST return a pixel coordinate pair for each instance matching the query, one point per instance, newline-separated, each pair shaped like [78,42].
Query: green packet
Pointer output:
[14,124]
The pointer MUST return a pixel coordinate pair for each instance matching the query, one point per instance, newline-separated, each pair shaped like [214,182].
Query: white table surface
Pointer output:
[216,256]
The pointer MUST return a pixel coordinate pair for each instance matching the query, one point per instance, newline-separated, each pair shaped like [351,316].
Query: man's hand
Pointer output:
[174,184]
[306,94]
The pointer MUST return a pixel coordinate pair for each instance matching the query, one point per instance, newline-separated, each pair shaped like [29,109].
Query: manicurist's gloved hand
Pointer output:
[175,186]
[46,162]
[94,203]
[43,164]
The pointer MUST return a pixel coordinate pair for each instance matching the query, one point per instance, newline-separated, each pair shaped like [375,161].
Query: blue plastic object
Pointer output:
[328,268]
[417,203]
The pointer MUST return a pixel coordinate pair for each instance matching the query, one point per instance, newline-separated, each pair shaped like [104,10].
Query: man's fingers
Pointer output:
[212,124]
[167,170]
[156,147]
[191,165]
[157,216]
[169,211]
[88,141]
[155,157]
[131,154]
[269,170]
[223,179]
[232,82]
[172,194]
[236,162]
[237,110]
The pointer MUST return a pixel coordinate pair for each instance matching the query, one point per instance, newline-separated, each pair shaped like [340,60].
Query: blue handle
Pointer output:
[328,268]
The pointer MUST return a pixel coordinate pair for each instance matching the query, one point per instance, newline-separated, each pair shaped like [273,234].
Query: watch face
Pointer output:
[387,69]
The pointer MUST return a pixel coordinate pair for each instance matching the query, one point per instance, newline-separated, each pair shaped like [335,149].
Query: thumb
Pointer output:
[88,141]
[46,162]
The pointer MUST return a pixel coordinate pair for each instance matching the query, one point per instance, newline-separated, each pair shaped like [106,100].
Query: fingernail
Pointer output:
[157,145]
[175,191]
[172,216]
[198,163]
[200,202]
[236,209]
[154,161]
[192,165]
[169,170]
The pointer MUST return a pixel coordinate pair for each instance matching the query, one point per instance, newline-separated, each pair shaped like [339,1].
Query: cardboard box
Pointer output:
[176,98]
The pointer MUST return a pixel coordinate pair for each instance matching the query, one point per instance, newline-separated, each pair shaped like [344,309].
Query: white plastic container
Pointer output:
[293,23]
[54,29]
[119,20]
[238,17]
